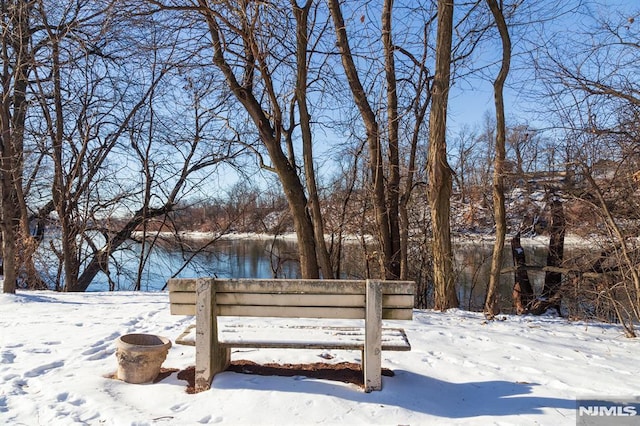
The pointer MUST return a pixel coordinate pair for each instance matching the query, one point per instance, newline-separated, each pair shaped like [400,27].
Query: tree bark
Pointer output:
[393,256]
[17,61]
[491,307]
[522,291]
[551,296]
[439,172]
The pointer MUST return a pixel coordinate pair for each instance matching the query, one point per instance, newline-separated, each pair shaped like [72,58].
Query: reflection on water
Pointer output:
[473,266]
[224,259]
[269,258]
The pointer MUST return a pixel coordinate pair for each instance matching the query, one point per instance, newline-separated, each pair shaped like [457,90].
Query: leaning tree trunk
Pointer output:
[439,172]
[491,307]
[270,135]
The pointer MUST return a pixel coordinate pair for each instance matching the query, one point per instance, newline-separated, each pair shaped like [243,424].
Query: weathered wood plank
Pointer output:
[298,337]
[263,299]
[290,311]
[182,309]
[206,336]
[372,353]
[387,314]
[397,314]
[292,286]
[182,297]
[398,301]
[181,284]
[388,301]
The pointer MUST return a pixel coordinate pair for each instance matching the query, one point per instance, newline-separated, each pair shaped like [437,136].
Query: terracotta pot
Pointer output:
[140,356]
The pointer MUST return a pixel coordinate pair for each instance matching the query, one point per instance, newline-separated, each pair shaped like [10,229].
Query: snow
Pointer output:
[57,353]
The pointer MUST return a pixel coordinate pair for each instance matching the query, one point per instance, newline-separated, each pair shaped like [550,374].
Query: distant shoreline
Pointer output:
[470,238]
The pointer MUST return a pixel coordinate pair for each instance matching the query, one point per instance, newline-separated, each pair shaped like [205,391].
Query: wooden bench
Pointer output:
[371,300]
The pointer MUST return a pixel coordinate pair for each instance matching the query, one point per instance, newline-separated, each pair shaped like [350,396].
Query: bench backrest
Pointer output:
[293,298]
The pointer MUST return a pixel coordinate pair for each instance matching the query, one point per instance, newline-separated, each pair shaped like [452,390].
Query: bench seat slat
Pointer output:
[329,300]
[300,337]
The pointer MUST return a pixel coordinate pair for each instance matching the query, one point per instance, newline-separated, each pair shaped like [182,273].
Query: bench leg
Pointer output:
[211,357]
[372,358]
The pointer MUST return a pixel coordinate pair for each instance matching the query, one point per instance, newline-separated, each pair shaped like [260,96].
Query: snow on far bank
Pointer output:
[254,236]
[570,240]
[538,240]
[57,351]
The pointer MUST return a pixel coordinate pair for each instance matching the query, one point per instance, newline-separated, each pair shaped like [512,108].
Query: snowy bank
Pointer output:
[57,354]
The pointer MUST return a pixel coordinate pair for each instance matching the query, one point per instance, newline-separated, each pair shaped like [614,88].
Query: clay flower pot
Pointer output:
[140,356]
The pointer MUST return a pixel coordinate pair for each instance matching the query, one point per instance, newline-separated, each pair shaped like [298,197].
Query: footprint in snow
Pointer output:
[100,346]
[7,357]
[70,399]
[178,408]
[44,369]
[14,345]
[134,321]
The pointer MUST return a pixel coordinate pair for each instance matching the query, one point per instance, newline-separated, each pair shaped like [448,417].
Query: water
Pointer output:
[224,259]
[268,258]
[473,266]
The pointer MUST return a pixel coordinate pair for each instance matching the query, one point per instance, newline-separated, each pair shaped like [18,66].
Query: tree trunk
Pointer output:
[100,259]
[439,172]
[522,291]
[491,307]
[551,296]
[16,17]
[8,235]
[393,254]
[302,15]
[7,200]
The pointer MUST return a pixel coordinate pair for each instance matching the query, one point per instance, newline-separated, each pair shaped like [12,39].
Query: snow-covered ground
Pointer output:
[57,353]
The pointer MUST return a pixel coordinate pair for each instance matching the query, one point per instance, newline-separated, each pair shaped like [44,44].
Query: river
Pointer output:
[259,258]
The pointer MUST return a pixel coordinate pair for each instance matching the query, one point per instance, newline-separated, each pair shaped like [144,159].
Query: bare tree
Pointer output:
[249,42]
[440,180]
[301,14]
[18,51]
[386,213]
[75,121]
[491,307]
[95,93]
[590,81]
